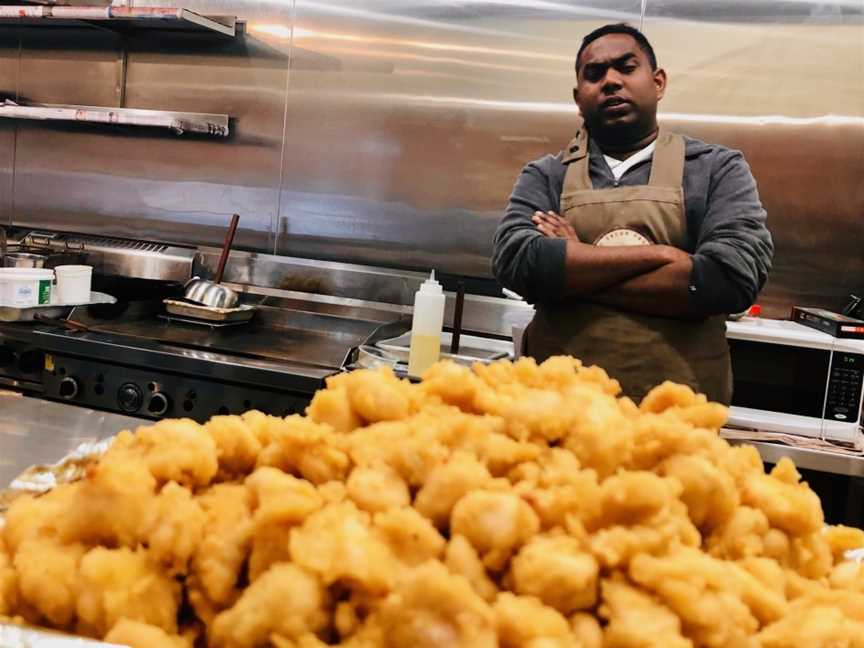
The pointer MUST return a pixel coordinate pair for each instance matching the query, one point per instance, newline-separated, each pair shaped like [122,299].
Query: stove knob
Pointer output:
[68,388]
[130,397]
[158,404]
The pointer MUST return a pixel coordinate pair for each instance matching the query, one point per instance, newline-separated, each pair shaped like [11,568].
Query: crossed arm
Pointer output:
[649,279]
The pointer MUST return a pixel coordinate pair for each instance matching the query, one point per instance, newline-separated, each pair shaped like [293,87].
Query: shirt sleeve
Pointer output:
[734,248]
[524,260]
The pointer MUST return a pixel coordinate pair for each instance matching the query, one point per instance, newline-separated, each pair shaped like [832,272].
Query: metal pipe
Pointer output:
[457,317]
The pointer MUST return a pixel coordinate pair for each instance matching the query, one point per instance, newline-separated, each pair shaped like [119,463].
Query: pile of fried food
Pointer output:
[511,505]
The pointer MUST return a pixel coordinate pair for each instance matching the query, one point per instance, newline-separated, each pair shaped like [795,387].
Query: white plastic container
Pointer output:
[426,327]
[73,284]
[25,287]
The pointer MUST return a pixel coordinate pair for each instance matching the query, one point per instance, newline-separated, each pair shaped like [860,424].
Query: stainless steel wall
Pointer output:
[389,132]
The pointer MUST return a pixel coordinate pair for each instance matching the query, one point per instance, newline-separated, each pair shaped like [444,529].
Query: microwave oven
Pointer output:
[794,379]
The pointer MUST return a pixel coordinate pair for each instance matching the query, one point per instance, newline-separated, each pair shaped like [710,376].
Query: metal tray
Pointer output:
[18,314]
[471,348]
[241,313]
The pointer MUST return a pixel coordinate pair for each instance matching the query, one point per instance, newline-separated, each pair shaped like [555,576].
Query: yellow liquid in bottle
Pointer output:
[425,351]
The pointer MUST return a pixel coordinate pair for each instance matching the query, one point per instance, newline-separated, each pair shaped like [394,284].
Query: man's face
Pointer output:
[617,91]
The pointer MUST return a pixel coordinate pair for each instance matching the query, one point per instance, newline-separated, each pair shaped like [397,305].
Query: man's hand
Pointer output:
[552,225]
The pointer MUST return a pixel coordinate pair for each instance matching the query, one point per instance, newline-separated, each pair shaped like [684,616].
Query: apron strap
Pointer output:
[667,167]
[576,158]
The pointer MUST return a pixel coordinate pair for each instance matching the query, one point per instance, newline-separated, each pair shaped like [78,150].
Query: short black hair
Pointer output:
[619,28]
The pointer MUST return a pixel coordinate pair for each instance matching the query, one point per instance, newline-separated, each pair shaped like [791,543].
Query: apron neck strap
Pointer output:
[576,158]
[667,167]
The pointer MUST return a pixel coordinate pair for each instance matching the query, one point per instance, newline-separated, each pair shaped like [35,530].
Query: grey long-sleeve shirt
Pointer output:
[726,234]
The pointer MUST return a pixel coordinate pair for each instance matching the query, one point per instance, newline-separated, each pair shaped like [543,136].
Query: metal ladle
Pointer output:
[212,293]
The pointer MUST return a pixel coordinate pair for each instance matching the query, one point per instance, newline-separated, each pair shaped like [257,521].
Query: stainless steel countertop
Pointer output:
[819,460]
[34,431]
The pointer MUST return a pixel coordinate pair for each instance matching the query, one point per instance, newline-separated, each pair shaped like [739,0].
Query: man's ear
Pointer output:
[660,82]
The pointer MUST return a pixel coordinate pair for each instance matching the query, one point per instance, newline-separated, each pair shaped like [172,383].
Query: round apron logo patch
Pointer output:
[622,236]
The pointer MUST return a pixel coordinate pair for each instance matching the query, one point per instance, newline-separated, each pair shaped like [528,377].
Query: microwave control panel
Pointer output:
[844,387]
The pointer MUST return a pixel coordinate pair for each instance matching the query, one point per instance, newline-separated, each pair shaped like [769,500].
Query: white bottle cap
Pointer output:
[430,285]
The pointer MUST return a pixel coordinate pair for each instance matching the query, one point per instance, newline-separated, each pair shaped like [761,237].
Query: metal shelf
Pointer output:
[179,122]
[120,18]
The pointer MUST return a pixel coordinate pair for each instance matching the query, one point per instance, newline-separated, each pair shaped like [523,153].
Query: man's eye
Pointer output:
[628,69]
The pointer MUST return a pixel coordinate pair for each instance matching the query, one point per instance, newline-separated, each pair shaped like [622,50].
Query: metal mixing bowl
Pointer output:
[208,293]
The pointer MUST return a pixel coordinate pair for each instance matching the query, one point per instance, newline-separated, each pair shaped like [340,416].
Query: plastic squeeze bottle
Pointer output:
[426,326]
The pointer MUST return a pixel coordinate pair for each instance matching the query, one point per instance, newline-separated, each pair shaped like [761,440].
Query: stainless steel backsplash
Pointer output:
[389,132]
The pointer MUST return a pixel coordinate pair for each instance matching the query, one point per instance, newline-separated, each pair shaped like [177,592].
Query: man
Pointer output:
[634,242]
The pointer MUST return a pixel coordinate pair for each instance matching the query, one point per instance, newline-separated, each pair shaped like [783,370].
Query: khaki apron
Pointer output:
[640,351]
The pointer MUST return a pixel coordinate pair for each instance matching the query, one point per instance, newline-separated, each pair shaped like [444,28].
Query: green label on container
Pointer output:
[44,291]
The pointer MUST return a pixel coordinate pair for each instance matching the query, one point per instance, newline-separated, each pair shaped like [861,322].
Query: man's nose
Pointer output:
[612,80]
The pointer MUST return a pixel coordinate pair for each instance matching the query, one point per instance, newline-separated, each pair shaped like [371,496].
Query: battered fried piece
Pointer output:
[709,493]
[338,543]
[602,437]
[121,583]
[286,600]
[8,582]
[789,505]
[278,498]
[448,483]
[31,517]
[660,436]
[497,524]
[110,504]
[847,575]
[767,603]
[432,608]
[332,406]
[532,411]
[842,539]
[639,512]
[174,528]
[560,490]
[377,395]
[377,488]
[485,437]
[280,501]
[741,536]
[461,558]
[47,578]
[454,384]
[178,450]
[524,619]
[638,620]
[684,404]
[586,630]
[809,556]
[143,635]
[632,497]
[411,449]
[302,447]
[237,445]
[703,591]
[225,545]
[411,537]
[558,571]
[815,627]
